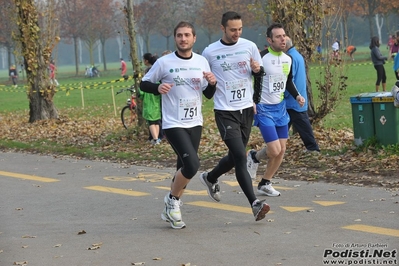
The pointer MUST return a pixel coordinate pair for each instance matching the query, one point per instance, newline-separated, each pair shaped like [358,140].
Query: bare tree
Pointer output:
[7,26]
[371,10]
[73,22]
[145,12]
[173,13]
[211,11]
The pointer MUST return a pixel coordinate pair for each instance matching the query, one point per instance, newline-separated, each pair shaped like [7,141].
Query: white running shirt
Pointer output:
[277,66]
[182,105]
[231,66]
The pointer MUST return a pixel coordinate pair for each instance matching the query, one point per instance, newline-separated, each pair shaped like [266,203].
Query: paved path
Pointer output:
[45,202]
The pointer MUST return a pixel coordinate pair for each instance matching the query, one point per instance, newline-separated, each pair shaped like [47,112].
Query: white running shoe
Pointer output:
[171,212]
[268,190]
[252,165]
[213,189]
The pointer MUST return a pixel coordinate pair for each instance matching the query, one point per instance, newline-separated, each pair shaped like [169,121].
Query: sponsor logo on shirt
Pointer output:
[193,82]
[233,66]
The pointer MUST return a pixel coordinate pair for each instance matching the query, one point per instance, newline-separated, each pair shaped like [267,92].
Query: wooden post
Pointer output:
[81,93]
[113,99]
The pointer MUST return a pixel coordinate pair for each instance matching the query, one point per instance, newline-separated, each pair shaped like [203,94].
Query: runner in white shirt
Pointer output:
[184,77]
[234,61]
[272,117]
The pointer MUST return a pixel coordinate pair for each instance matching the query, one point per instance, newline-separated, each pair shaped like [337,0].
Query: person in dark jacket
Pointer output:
[299,118]
[378,61]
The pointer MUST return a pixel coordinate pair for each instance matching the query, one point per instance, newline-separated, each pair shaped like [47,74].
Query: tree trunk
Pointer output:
[370,19]
[90,48]
[36,59]
[103,55]
[41,105]
[135,61]
[9,54]
[40,108]
[76,49]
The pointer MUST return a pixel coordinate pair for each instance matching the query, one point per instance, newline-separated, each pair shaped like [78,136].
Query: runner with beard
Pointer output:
[234,61]
[184,77]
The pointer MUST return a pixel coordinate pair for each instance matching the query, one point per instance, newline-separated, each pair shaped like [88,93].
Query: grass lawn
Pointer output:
[79,92]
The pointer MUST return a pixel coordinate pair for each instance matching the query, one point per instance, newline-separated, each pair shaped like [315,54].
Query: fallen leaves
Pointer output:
[28,236]
[95,246]
[20,263]
[138,263]
[339,161]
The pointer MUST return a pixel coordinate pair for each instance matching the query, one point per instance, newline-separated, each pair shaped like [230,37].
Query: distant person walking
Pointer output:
[53,69]
[396,58]
[390,41]
[13,74]
[335,47]
[123,68]
[394,47]
[378,61]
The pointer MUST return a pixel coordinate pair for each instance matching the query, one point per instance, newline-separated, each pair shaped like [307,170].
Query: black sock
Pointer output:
[171,196]
[210,180]
[253,155]
[263,182]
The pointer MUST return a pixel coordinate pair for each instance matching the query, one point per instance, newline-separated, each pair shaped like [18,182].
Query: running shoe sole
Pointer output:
[262,212]
[267,194]
[174,225]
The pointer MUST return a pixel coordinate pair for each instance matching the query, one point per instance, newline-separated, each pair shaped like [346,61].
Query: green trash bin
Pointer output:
[386,119]
[362,116]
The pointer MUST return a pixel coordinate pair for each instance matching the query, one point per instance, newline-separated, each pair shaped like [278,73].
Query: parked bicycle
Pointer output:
[129,112]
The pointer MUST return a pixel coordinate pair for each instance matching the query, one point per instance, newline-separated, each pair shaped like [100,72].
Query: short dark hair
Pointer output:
[184,24]
[230,15]
[275,25]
